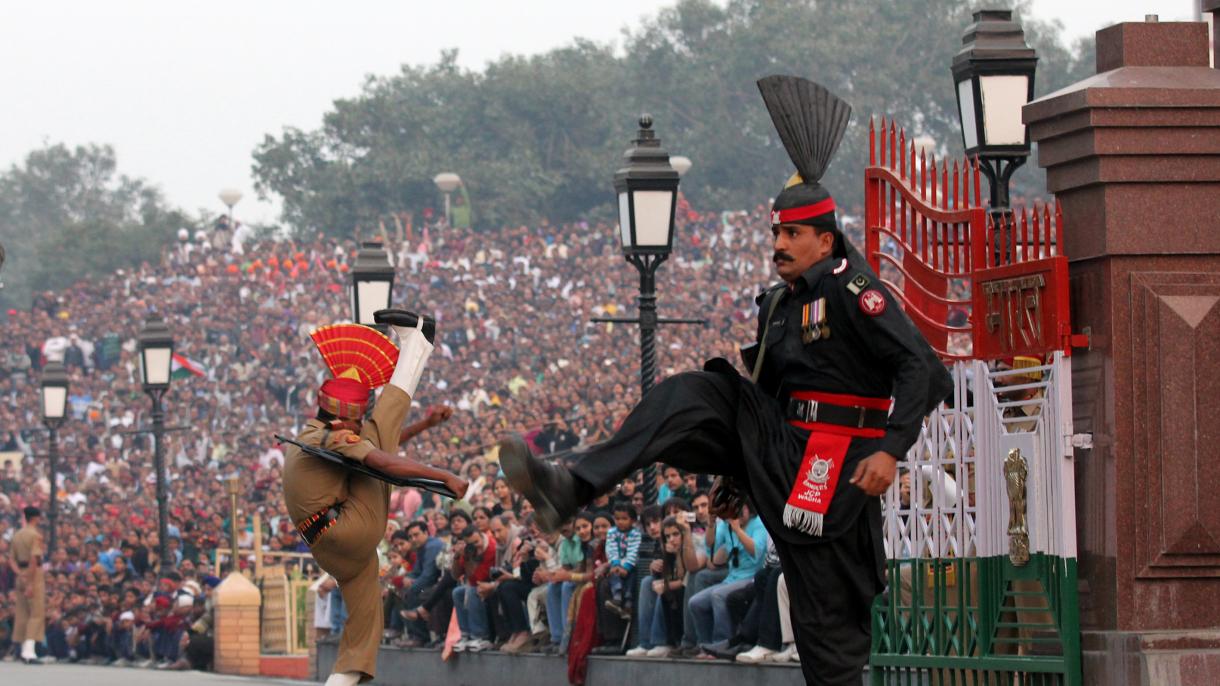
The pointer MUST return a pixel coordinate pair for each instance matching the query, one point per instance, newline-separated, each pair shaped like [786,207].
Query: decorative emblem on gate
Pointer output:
[1014,309]
[1015,474]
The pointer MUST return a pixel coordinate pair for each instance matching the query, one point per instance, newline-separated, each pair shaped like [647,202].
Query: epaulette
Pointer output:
[758,300]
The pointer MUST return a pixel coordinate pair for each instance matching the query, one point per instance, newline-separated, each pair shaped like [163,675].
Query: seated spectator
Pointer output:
[744,550]
[575,560]
[546,552]
[674,486]
[660,608]
[514,585]
[420,581]
[472,564]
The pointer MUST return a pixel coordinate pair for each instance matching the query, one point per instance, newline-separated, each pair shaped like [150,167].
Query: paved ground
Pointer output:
[17,674]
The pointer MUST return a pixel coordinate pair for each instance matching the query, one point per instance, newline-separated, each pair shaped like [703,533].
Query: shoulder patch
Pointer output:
[858,283]
[872,302]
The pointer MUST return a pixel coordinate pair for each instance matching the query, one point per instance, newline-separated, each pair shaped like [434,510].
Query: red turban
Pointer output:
[344,398]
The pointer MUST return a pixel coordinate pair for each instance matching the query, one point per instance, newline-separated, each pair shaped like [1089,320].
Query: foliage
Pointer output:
[541,136]
[66,214]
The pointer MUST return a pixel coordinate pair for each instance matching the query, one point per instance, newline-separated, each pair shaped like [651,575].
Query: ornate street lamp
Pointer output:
[54,412]
[371,283]
[994,77]
[647,190]
[230,197]
[156,347]
[447,182]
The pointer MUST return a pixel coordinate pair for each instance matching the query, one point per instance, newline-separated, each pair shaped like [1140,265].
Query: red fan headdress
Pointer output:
[360,358]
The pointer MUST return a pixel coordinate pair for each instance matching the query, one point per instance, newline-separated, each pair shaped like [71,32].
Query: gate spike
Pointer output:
[1046,228]
[911,173]
[881,160]
[934,181]
[893,152]
[955,184]
[966,183]
[1024,236]
[872,144]
[1037,233]
[944,182]
[974,167]
[923,173]
[902,152]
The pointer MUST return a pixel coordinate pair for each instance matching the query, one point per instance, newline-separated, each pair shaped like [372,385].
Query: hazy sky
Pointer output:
[185,91]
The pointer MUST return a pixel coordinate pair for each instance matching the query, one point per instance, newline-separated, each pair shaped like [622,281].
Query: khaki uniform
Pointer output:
[348,550]
[31,618]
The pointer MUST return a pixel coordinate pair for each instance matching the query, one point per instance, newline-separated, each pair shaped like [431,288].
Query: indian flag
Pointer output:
[184,368]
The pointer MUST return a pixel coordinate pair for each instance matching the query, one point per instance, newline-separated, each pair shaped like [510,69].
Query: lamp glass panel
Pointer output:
[157,362]
[54,401]
[1003,97]
[965,100]
[624,219]
[652,212]
[373,296]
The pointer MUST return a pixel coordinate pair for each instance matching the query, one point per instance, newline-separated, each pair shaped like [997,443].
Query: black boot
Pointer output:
[551,488]
[404,318]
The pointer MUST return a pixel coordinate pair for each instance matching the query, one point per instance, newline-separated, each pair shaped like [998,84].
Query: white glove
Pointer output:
[413,353]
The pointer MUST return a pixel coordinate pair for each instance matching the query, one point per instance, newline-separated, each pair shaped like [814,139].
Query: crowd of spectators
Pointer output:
[517,352]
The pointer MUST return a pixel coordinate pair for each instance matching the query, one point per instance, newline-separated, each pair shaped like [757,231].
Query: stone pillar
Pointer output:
[236,649]
[1133,155]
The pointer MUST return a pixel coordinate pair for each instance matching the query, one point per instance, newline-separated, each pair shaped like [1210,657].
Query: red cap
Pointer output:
[345,398]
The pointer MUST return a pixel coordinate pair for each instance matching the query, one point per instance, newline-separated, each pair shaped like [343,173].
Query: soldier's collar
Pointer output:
[812,275]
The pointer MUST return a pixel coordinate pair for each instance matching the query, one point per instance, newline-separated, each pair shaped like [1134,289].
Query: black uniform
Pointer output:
[719,422]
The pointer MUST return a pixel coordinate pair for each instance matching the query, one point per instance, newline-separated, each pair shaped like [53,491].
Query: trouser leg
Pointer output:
[512,595]
[569,589]
[644,612]
[769,634]
[555,610]
[362,632]
[722,622]
[689,420]
[701,611]
[698,582]
[831,588]
[785,610]
[535,605]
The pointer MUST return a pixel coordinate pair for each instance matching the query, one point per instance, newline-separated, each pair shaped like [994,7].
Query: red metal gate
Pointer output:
[974,289]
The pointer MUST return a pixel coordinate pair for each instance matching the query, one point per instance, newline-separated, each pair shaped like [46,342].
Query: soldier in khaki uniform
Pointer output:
[342,514]
[28,553]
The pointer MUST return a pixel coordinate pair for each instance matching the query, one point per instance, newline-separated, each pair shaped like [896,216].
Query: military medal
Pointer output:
[813,321]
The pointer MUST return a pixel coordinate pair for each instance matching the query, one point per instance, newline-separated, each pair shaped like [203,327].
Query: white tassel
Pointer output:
[803,520]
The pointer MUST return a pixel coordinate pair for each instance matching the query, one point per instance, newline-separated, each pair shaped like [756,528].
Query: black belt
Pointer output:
[316,524]
[810,411]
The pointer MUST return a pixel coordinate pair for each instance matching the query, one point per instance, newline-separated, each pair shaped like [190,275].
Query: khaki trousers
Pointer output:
[348,550]
[30,620]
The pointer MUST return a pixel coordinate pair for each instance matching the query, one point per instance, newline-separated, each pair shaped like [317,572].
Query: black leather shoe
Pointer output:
[396,317]
[551,489]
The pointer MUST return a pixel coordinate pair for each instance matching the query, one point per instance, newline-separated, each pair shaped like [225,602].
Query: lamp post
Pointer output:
[371,283]
[994,78]
[447,182]
[647,189]
[156,347]
[230,197]
[232,488]
[54,411]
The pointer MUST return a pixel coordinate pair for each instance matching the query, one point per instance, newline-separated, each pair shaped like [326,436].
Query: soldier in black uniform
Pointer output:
[841,382]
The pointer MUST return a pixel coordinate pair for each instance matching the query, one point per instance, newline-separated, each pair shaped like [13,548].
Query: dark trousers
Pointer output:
[760,626]
[511,597]
[718,423]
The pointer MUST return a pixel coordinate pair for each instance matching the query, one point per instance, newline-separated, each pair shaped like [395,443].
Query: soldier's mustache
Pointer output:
[781,256]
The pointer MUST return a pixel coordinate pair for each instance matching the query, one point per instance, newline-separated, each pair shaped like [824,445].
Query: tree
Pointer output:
[66,214]
[541,136]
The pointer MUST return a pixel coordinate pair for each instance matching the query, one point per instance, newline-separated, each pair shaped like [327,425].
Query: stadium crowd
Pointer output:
[518,352]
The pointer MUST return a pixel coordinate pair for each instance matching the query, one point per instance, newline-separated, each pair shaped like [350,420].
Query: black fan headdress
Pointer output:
[810,121]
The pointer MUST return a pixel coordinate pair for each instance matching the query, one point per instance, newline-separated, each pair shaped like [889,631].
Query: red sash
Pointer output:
[824,452]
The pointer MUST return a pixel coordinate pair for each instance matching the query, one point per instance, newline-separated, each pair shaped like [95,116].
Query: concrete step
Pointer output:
[411,667]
